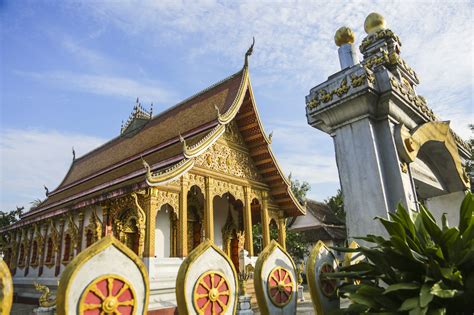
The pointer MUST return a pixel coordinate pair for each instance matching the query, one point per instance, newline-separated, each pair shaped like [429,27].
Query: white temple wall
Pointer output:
[162,233]
[449,203]
[220,216]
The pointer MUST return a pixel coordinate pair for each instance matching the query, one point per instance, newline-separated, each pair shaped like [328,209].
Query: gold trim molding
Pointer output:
[410,144]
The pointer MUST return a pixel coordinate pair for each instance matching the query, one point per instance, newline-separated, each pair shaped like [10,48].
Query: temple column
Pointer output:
[43,251]
[209,211]
[282,232]
[151,208]
[265,220]
[81,231]
[183,218]
[29,245]
[247,212]
[61,241]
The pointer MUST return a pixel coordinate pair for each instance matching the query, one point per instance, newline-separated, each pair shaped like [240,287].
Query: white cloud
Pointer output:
[301,151]
[30,159]
[295,40]
[116,86]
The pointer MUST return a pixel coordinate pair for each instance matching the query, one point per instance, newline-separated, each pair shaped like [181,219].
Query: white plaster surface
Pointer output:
[109,261]
[278,258]
[449,203]
[162,234]
[221,210]
[209,260]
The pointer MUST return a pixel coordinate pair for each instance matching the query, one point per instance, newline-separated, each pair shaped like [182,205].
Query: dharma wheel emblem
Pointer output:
[328,286]
[280,286]
[109,294]
[211,294]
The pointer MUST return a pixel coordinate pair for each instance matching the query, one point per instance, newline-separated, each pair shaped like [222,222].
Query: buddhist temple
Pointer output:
[202,169]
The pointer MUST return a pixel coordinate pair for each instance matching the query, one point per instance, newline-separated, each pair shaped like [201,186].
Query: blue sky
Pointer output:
[71,71]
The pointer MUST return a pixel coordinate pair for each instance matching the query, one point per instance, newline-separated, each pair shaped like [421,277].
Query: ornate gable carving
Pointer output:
[232,134]
[227,159]
[222,158]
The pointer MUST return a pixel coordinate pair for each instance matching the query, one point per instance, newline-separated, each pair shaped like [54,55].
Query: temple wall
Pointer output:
[162,234]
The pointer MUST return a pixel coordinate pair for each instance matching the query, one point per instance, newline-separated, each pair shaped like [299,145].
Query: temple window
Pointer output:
[49,250]
[34,254]
[21,260]
[8,256]
[67,248]
[89,238]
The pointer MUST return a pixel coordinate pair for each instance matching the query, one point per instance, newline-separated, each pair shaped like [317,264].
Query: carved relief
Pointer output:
[229,161]
[197,180]
[95,226]
[129,221]
[166,197]
[52,244]
[232,134]
[37,249]
[219,188]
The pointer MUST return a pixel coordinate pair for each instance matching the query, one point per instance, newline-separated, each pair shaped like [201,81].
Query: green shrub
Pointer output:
[420,269]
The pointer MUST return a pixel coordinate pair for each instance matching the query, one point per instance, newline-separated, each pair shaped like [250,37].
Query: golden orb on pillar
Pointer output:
[344,35]
[374,22]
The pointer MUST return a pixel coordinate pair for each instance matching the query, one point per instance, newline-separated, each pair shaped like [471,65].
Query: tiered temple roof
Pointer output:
[167,145]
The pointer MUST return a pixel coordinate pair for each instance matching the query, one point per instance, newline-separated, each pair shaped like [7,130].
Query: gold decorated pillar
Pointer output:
[61,241]
[151,208]
[265,220]
[183,218]
[209,211]
[282,231]
[81,231]
[247,211]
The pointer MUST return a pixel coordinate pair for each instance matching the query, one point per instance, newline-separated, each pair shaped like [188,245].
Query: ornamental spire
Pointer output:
[249,52]
[137,118]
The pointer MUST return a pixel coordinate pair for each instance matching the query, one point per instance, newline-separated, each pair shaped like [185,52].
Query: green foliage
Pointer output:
[336,203]
[10,217]
[421,268]
[295,244]
[299,189]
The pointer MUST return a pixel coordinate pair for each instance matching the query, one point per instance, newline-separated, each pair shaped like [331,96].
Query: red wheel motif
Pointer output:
[211,294]
[109,294]
[328,286]
[280,286]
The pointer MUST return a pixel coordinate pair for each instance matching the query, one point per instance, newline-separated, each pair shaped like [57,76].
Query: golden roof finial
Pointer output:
[374,22]
[344,35]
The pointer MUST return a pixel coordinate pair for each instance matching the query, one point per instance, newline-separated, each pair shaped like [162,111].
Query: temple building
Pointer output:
[202,169]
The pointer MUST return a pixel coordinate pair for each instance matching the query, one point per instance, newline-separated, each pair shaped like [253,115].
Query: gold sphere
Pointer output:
[344,35]
[374,22]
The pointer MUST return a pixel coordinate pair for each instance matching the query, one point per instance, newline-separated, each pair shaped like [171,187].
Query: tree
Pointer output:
[295,242]
[299,189]
[336,203]
[10,217]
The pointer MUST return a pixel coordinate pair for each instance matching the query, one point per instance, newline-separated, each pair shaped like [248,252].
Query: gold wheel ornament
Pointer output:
[280,286]
[328,286]
[211,294]
[109,294]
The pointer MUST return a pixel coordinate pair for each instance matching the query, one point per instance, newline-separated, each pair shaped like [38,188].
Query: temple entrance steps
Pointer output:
[162,273]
